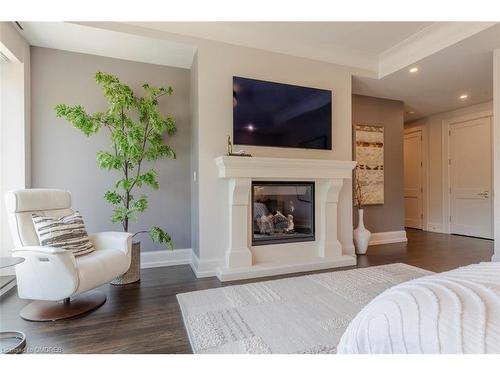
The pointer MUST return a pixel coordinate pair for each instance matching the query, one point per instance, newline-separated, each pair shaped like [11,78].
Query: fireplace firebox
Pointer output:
[282,212]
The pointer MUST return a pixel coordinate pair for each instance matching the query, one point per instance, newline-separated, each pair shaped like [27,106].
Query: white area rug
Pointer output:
[306,314]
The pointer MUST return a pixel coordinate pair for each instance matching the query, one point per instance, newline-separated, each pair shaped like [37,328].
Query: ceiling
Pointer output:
[453,57]
[356,44]
[97,41]
[463,68]
[446,71]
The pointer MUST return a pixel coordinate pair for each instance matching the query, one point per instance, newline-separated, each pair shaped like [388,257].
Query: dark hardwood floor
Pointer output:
[145,317]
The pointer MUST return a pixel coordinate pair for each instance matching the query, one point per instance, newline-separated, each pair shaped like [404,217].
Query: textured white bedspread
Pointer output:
[451,312]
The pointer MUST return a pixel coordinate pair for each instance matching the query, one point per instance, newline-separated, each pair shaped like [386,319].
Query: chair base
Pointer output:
[48,311]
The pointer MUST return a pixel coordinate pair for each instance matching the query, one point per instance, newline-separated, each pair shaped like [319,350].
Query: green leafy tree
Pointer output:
[136,129]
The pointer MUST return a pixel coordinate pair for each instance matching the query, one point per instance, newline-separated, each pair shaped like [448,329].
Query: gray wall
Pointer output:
[389,113]
[62,157]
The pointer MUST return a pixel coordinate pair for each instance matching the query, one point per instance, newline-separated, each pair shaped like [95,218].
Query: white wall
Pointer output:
[496,153]
[195,218]
[217,63]
[14,122]
[435,168]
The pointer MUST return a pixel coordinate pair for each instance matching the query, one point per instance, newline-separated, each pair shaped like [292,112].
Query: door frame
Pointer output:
[425,167]
[445,162]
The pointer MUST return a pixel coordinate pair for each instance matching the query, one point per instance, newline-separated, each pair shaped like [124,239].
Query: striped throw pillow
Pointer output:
[67,232]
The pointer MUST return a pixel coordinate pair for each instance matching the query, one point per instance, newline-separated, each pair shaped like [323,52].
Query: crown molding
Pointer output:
[426,42]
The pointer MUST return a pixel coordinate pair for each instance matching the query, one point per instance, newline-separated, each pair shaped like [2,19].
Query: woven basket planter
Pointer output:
[134,272]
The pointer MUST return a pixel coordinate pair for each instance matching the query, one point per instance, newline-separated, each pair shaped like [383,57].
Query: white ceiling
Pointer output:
[463,68]
[356,44]
[96,41]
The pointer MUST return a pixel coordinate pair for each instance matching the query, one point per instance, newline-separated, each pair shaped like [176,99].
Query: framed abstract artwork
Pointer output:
[370,158]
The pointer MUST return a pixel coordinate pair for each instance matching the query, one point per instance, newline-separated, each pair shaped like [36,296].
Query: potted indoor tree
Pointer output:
[137,133]
[361,234]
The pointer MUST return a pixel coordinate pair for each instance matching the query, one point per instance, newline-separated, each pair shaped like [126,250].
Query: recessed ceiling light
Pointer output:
[413,70]
[411,112]
[463,96]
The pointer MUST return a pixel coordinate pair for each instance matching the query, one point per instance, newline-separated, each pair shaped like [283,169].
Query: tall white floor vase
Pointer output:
[361,235]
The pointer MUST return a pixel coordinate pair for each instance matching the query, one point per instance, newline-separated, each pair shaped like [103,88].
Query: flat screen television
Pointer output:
[281,115]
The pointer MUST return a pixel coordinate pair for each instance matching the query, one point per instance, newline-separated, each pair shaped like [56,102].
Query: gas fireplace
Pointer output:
[282,212]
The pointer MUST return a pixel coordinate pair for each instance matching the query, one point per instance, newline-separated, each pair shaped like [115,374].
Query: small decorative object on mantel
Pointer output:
[229,145]
[230,149]
[361,234]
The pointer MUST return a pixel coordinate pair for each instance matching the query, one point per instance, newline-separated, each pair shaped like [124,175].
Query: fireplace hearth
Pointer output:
[282,212]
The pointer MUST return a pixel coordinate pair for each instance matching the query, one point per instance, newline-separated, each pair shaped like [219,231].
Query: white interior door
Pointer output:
[470,178]
[413,179]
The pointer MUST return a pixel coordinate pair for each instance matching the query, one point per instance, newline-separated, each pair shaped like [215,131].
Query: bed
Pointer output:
[451,312]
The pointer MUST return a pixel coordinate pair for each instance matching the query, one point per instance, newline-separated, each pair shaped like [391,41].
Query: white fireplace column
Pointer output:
[329,246]
[238,254]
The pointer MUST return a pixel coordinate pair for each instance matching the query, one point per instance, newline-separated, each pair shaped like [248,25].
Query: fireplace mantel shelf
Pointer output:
[259,167]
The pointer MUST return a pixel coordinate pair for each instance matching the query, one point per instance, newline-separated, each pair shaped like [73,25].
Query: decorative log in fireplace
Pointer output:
[282,212]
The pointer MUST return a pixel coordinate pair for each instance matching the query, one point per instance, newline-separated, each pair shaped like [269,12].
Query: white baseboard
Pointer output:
[163,258]
[381,238]
[435,227]
[207,268]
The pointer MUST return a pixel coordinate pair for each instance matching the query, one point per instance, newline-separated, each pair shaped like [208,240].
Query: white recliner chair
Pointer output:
[54,277]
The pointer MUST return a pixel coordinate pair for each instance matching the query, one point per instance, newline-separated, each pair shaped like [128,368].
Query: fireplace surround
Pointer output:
[246,259]
[282,212]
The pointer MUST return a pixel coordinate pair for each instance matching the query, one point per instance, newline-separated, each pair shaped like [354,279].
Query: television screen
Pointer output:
[281,115]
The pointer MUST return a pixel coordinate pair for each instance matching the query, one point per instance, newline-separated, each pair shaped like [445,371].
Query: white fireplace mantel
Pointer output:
[242,260]
[257,167]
